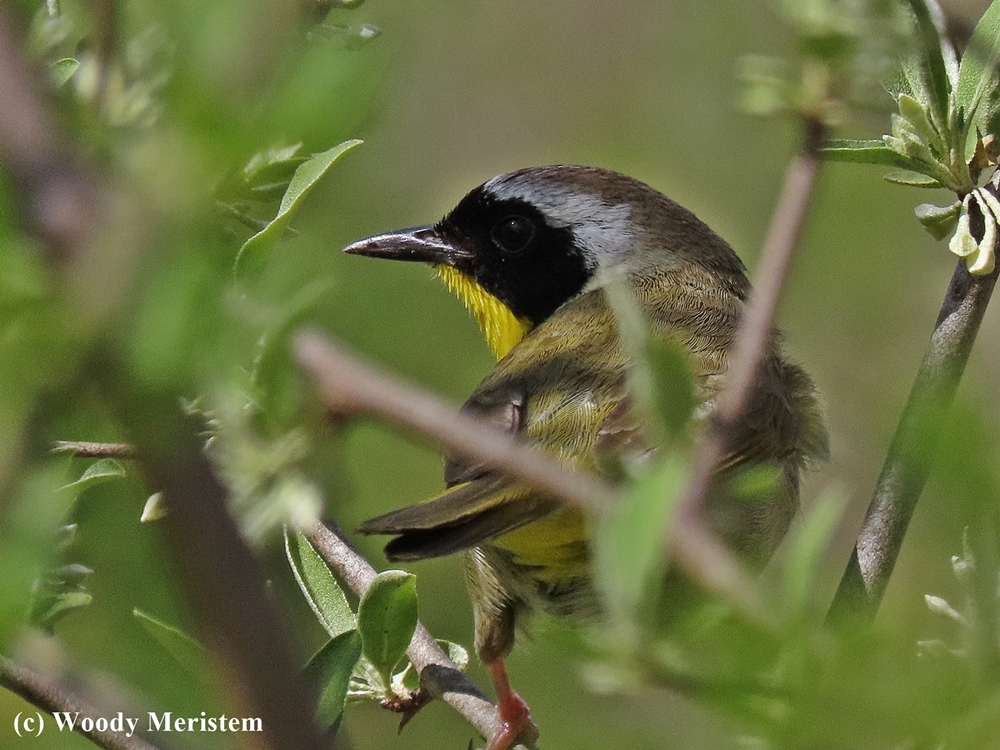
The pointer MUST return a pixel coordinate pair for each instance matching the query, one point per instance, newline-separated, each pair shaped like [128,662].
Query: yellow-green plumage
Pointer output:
[570,373]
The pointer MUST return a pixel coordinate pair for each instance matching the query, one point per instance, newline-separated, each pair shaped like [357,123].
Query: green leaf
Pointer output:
[387,618]
[65,536]
[659,379]
[185,650]
[62,70]
[73,574]
[629,549]
[351,36]
[865,152]
[155,509]
[318,585]
[267,174]
[46,612]
[330,669]
[913,179]
[103,470]
[303,181]
[456,652]
[937,220]
[673,391]
[275,378]
[977,72]
[932,69]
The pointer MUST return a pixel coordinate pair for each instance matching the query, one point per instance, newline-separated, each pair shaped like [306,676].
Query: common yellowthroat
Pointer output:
[531,253]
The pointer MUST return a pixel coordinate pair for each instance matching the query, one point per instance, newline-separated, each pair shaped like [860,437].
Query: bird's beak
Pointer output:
[421,244]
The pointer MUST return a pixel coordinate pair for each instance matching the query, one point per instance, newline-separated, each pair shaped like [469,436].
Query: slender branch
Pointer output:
[350,387]
[913,447]
[439,675]
[756,325]
[86,449]
[50,695]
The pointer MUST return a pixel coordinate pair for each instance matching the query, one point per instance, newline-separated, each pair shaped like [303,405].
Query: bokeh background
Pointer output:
[455,92]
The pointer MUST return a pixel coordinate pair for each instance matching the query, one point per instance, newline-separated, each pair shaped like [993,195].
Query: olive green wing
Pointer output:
[479,505]
[554,389]
[464,516]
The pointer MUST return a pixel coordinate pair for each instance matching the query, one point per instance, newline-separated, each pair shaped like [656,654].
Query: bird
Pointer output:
[533,254]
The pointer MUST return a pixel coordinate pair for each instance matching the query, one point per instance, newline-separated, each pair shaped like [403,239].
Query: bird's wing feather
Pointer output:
[500,410]
[564,416]
[460,518]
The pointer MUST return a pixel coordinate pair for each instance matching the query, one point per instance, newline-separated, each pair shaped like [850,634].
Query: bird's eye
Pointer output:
[512,234]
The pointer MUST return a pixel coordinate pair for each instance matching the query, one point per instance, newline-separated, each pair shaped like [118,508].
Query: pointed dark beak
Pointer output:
[421,244]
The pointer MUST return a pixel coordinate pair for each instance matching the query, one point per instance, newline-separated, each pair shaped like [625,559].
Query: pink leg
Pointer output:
[515,718]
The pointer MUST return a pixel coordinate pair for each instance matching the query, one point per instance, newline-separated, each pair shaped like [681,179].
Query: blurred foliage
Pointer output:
[228,123]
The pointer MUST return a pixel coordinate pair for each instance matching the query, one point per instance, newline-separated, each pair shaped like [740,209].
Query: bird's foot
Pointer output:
[515,721]
[515,718]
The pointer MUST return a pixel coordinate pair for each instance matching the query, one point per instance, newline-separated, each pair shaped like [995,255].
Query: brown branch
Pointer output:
[756,325]
[351,387]
[221,575]
[913,446]
[439,675]
[50,695]
[86,449]
[62,204]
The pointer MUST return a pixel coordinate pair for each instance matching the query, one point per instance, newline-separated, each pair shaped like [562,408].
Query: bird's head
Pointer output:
[520,245]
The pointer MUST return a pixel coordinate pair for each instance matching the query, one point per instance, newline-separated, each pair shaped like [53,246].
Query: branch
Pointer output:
[756,325]
[913,447]
[221,575]
[50,695]
[439,675]
[62,203]
[87,449]
[83,226]
[350,387]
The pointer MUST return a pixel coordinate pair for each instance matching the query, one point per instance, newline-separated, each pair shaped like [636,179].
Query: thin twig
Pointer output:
[86,449]
[50,695]
[439,675]
[351,387]
[912,450]
[755,329]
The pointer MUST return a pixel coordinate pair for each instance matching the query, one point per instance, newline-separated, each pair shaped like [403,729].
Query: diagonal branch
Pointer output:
[222,577]
[439,675]
[350,387]
[96,244]
[50,695]
[912,450]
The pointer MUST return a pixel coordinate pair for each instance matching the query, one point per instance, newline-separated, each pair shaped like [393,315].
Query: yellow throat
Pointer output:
[500,326]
